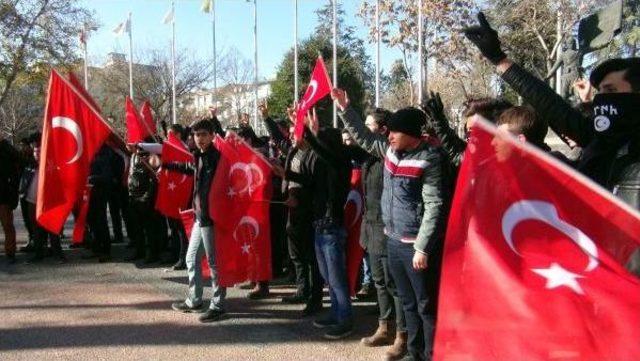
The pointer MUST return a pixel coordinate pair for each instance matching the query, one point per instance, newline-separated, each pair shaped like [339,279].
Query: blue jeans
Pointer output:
[330,252]
[413,288]
[202,241]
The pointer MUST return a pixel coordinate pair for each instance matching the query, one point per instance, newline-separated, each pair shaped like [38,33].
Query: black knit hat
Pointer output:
[611,65]
[408,121]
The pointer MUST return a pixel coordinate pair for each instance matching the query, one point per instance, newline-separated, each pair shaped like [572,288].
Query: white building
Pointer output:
[232,101]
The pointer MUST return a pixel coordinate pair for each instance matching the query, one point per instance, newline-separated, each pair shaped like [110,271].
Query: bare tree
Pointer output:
[151,81]
[236,72]
[441,37]
[37,32]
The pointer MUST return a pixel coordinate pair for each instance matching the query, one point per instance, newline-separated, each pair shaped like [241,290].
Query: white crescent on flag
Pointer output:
[250,221]
[546,212]
[72,127]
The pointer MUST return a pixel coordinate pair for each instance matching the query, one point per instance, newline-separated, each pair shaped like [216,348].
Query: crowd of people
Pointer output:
[409,159]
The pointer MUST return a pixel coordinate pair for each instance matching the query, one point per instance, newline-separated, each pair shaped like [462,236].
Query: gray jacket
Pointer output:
[413,196]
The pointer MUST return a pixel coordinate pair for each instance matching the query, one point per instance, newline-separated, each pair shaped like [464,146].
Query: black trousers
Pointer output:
[28,222]
[416,290]
[115,211]
[303,257]
[98,222]
[149,239]
[41,236]
[179,241]
[388,298]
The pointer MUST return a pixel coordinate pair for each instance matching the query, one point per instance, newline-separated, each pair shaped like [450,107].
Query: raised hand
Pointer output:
[340,97]
[434,107]
[486,39]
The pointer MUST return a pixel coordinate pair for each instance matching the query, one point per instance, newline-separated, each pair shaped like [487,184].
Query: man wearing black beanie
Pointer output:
[413,213]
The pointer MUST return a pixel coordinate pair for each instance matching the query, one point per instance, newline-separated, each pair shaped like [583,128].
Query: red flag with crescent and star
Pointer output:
[72,133]
[319,87]
[534,261]
[147,118]
[174,188]
[137,130]
[353,211]
[239,199]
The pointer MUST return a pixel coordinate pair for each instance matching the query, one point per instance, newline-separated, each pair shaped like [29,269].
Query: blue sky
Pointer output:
[234,28]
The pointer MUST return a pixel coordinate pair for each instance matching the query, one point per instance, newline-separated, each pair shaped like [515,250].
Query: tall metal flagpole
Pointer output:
[255,64]
[130,57]
[335,60]
[420,74]
[85,38]
[377,53]
[295,52]
[174,120]
[215,54]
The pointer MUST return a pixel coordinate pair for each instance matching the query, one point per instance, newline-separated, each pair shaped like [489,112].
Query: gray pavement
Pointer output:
[84,310]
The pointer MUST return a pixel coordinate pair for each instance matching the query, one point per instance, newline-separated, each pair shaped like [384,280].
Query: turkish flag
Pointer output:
[534,259]
[137,130]
[239,203]
[147,118]
[71,135]
[174,188]
[319,87]
[81,221]
[353,211]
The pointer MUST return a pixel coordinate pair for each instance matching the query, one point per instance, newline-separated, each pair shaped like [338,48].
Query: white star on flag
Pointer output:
[171,186]
[245,248]
[557,276]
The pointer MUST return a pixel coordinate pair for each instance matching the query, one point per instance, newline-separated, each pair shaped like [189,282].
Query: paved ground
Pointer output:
[84,310]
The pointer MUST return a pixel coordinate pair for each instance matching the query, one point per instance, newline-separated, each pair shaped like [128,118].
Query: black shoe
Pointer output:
[133,257]
[339,331]
[327,321]
[247,285]
[179,266]
[183,307]
[28,248]
[90,256]
[75,245]
[35,259]
[62,259]
[367,291]
[104,259]
[312,308]
[296,298]
[151,260]
[211,316]
[259,292]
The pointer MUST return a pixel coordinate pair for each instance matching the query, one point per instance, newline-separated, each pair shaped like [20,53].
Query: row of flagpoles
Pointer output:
[208,6]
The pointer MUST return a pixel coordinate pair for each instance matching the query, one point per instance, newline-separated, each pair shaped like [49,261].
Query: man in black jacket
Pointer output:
[330,187]
[202,234]
[610,138]
[102,181]
[374,241]
[300,166]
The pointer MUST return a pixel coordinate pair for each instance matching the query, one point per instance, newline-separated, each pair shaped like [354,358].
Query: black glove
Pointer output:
[434,109]
[486,39]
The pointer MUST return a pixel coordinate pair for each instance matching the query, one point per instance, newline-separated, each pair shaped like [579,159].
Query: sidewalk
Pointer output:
[115,311]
